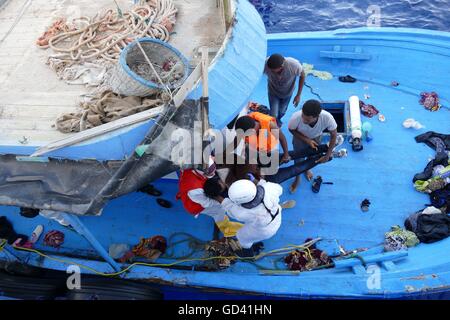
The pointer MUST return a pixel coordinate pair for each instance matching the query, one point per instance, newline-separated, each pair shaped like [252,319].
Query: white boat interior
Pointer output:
[32,96]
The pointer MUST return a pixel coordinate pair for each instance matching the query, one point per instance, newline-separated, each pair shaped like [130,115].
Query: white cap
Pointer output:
[242,191]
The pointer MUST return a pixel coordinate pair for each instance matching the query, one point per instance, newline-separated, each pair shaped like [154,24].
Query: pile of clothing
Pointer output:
[429,225]
[149,248]
[399,239]
[220,254]
[368,110]
[433,223]
[430,101]
[435,178]
[306,260]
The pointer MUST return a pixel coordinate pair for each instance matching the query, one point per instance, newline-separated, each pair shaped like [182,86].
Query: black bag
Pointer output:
[432,227]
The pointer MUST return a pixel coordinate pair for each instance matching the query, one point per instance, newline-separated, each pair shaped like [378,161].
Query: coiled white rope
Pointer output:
[105,35]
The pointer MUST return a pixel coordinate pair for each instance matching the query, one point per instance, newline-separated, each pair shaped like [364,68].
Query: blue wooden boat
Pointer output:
[418,60]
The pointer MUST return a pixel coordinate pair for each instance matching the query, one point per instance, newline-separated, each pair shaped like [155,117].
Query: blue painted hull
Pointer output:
[419,61]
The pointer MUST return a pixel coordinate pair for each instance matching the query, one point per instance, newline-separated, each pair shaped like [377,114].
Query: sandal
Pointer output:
[164,203]
[365,205]
[150,190]
[347,78]
[288,204]
[316,184]
[36,234]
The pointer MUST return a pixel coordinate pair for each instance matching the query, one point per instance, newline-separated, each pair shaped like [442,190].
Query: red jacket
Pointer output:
[190,180]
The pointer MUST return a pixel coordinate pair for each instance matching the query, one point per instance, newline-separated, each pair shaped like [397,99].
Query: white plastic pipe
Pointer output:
[355,117]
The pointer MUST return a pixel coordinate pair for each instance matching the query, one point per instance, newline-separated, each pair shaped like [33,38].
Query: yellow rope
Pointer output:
[260,256]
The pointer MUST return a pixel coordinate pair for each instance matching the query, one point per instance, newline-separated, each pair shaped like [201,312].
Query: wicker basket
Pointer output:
[123,80]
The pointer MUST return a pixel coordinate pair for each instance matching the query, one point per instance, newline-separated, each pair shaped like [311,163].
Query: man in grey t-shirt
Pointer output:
[282,74]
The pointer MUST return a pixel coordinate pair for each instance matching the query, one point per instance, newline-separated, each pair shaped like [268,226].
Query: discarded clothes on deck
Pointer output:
[150,248]
[308,259]
[430,101]
[399,239]
[441,198]
[222,253]
[322,75]
[433,224]
[368,110]
[54,239]
[429,225]
[430,185]
[435,177]
[428,139]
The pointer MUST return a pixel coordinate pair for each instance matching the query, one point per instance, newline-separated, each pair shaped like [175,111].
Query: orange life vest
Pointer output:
[190,180]
[265,141]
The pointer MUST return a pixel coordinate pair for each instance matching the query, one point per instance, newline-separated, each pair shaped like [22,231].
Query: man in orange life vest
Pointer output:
[262,138]
[193,197]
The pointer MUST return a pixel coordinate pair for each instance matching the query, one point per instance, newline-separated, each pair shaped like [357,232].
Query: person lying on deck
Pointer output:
[192,195]
[307,127]
[257,206]
[242,169]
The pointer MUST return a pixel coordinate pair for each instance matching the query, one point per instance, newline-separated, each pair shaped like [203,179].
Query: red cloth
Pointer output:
[190,180]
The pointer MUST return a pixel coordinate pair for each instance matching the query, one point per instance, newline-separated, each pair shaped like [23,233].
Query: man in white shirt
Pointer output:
[257,206]
[282,74]
[307,127]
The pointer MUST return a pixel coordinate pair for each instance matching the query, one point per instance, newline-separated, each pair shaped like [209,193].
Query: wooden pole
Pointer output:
[205,100]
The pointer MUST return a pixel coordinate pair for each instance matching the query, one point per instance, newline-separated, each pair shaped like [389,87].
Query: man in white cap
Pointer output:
[257,206]
[192,195]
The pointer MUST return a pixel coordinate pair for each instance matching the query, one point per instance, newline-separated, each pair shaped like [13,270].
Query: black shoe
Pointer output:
[151,190]
[357,145]
[164,203]
[29,212]
[347,78]
[365,205]
[317,182]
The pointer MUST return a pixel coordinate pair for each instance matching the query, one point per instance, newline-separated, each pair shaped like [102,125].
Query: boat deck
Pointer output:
[381,173]
[32,95]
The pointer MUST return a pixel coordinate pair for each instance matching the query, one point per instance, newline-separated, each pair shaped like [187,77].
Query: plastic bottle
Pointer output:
[367,129]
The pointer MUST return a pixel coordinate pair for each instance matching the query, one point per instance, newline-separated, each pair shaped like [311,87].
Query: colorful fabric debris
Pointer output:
[307,260]
[150,248]
[429,228]
[368,110]
[54,239]
[224,249]
[442,172]
[322,75]
[430,101]
[430,185]
[394,243]
[397,238]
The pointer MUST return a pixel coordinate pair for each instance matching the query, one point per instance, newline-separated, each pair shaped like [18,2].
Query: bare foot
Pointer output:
[294,185]
[309,175]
